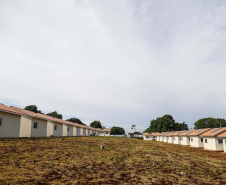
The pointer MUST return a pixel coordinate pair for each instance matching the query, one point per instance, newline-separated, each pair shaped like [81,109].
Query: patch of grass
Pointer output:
[71,160]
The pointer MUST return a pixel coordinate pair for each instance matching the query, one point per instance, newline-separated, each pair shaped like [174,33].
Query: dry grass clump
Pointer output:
[79,160]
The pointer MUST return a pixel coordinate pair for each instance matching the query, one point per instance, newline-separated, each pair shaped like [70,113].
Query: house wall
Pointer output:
[70,132]
[10,125]
[170,140]
[176,140]
[41,131]
[165,139]
[78,131]
[212,144]
[88,132]
[64,130]
[160,138]
[59,131]
[224,143]
[83,132]
[150,138]
[25,126]
[185,140]
[50,125]
[196,141]
[104,133]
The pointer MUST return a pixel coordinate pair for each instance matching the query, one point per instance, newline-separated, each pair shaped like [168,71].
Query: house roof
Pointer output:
[222,134]
[199,132]
[104,129]
[185,133]
[5,108]
[214,132]
[177,133]
[150,133]
[32,114]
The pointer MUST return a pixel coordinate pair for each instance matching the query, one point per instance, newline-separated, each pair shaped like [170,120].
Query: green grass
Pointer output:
[72,160]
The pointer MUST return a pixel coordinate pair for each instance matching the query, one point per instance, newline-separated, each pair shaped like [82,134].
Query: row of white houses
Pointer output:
[16,122]
[207,138]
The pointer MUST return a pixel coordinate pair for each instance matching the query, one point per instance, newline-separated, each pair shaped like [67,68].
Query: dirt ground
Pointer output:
[79,160]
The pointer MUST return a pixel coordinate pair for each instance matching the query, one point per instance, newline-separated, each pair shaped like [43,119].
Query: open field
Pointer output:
[124,161]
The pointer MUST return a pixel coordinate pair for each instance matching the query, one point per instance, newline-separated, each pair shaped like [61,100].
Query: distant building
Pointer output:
[104,131]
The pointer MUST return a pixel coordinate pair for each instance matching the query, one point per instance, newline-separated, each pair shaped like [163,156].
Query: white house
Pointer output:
[211,140]
[184,138]
[176,136]
[41,126]
[223,137]
[170,136]
[150,136]
[104,131]
[196,140]
[14,123]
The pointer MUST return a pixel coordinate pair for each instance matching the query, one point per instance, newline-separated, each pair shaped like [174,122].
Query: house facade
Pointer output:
[104,131]
[13,123]
[150,136]
[196,140]
[211,139]
[223,137]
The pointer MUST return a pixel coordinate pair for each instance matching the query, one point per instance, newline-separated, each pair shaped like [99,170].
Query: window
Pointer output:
[202,140]
[220,141]
[55,127]
[153,137]
[191,139]
[205,140]
[35,125]
[0,122]
[181,138]
[173,138]
[106,132]
[147,137]
[68,129]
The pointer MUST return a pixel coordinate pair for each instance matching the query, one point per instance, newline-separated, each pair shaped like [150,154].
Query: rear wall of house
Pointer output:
[10,125]
[41,130]
[185,140]
[25,126]
[212,143]
[59,130]
[70,131]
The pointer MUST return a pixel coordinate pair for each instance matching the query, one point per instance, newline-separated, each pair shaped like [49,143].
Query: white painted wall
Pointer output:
[224,144]
[195,141]
[64,130]
[176,140]
[150,138]
[10,125]
[59,131]
[170,140]
[49,128]
[184,140]
[41,131]
[25,126]
[212,144]
[70,130]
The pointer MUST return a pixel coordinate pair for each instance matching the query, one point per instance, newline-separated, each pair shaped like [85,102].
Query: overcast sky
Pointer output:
[122,62]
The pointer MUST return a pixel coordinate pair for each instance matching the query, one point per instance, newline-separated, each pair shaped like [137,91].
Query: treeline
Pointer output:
[166,123]
[210,123]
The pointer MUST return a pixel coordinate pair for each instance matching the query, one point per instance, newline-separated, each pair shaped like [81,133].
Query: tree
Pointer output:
[96,124]
[165,123]
[210,123]
[76,120]
[117,131]
[33,108]
[55,115]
